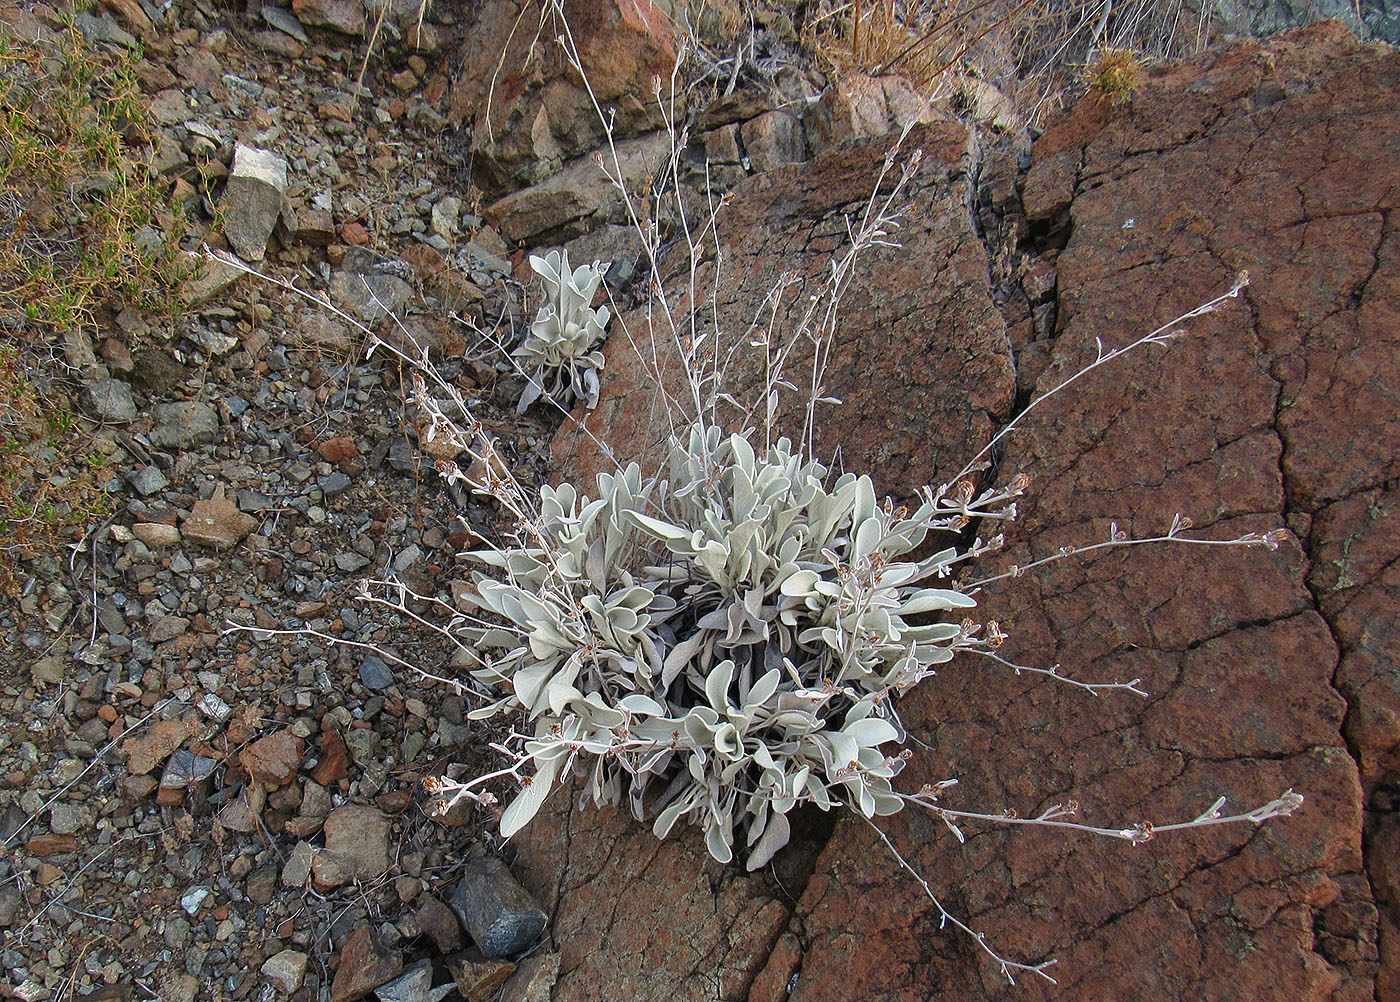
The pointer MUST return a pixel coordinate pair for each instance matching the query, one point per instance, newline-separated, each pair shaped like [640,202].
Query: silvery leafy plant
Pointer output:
[559,355]
[728,642]
[722,646]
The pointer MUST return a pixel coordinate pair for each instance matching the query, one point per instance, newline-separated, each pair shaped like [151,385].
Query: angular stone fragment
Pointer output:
[478,978]
[500,914]
[110,400]
[534,981]
[253,200]
[146,751]
[273,760]
[207,277]
[285,21]
[297,870]
[156,533]
[580,197]
[183,424]
[344,16]
[435,920]
[358,835]
[217,522]
[414,985]
[167,628]
[241,812]
[530,113]
[365,964]
[773,139]
[285,970]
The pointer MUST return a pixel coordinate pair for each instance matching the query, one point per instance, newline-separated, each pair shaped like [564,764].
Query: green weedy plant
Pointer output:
[559,355]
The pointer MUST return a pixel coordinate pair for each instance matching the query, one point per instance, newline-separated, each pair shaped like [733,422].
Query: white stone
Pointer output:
[193,898]
[285,971]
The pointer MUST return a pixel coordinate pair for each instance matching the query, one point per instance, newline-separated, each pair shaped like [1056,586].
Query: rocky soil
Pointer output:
[196,813]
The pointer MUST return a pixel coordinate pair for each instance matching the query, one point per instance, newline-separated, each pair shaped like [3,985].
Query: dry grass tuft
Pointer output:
[1035,51]
[1116,75]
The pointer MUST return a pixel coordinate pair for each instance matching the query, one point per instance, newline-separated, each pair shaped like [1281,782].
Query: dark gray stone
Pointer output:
[183,424]
[371,297]
[9,904]
[334,483]
[351,562]
[375,674]
[500,914]
[285,21]
[401,456]
[110,400]
[251,500]
[253,200]
[147,481]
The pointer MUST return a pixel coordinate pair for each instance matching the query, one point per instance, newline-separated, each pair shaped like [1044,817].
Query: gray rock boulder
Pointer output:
[110,400]
[253,200]
[183,425]
[500,914]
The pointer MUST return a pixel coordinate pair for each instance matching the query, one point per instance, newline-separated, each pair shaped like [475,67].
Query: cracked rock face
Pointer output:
[1266,670]
[921,361]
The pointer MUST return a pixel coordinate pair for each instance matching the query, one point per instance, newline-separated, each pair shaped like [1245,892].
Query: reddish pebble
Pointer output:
[336,449]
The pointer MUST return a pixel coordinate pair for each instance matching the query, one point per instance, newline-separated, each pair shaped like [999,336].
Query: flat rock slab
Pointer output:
[183,424]
[358,836]
[217,522]
[1274,412]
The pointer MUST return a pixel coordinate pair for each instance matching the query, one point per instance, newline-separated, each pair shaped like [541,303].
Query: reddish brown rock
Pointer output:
[51,845]
[435,920]
[927,299]
[528,110]
[133,18]
[364,965]
[334,764]
[1278,410]
[148,749]
[478,978]
[534,980]
[273,760]
[864,107]
[354,234]
[345,16]
[336,449]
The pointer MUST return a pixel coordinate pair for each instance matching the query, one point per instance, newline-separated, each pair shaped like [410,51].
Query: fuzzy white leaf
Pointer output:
[528,801]
[775,836]
[871,731]
[935,600]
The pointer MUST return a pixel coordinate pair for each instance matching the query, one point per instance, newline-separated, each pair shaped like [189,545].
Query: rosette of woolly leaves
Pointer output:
[720,647]
[576,621]
[559,354]
[775,565]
